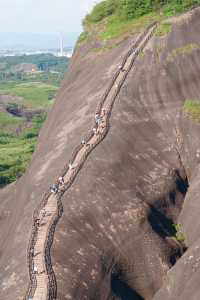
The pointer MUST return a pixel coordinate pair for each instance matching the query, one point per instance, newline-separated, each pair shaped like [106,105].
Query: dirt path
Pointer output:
[43,284]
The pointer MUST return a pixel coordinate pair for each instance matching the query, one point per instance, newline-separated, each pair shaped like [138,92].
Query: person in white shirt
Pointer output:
[61,180]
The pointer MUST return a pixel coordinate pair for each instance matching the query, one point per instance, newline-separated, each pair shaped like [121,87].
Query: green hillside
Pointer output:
[112,18]
[130,9]
[25,99]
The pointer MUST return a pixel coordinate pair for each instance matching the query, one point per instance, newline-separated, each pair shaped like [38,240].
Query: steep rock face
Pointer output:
[112,240]
[67,123]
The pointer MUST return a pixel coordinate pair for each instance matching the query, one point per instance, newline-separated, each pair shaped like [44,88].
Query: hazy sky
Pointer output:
[43,15]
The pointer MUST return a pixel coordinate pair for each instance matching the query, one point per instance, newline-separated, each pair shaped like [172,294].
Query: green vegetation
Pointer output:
[42,61]
[34,94]
[187,49]
[112,18]
[105,48]
[25,98]
[83,36]
[43,67]
[14,157]
[116,27]
[16,152]
[192,109]
[163,29]
[142,54]
[173,7]
[130,9]
[8,121]
[179,234]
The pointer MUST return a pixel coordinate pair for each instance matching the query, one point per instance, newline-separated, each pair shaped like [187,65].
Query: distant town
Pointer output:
[18,44]
[65,52]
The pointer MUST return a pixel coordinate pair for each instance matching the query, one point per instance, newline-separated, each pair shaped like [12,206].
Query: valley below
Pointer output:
[28,86]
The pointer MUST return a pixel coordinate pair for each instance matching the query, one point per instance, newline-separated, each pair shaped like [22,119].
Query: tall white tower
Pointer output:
[61,45]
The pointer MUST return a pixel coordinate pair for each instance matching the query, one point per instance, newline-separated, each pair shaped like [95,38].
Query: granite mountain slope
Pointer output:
[115,237]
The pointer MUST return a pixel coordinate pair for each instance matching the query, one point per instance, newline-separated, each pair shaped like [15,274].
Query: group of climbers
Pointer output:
[99,121]
[97,118]
[84,143]
[54,189]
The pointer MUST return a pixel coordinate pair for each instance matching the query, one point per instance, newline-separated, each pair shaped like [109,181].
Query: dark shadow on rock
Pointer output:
[160,223]
[178,249]
[181,184]
[175,256]
[172,197]
[121,289]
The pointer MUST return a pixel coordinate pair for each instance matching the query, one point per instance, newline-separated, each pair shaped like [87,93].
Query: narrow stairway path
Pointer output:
[42,278]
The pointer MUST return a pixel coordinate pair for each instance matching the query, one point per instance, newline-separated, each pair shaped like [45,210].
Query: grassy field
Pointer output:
[18,137]
[16,151]
[8,122]
[15,154]
[34,94]
[30,92]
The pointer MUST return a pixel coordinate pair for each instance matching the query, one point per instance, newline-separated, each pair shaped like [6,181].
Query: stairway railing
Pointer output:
[52,285]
